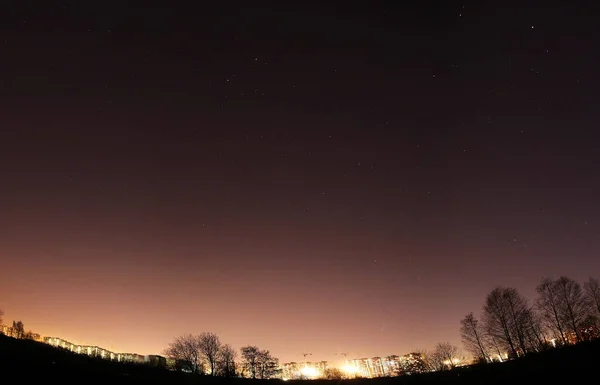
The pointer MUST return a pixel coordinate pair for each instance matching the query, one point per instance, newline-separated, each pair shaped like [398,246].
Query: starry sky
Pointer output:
[309,178]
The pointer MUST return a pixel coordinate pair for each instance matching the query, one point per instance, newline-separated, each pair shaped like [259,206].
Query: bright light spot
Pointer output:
[350,369]
[309,372]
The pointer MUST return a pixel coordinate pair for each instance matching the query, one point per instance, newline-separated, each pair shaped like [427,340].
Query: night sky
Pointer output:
[307,178]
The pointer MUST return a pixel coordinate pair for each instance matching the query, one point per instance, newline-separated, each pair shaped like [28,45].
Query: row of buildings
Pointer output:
[89,350]
[304,370]
[361,367]
[389,366]
[96,351]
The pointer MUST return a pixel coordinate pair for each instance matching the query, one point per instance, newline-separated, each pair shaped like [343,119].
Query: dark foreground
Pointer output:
[33,362]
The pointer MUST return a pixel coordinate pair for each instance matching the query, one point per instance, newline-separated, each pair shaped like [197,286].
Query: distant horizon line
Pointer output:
[43,338]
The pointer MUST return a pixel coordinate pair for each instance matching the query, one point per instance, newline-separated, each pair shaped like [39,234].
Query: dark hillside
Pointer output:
[26,361]
[29,362]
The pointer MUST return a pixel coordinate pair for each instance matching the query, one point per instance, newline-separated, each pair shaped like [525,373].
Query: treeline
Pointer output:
[206,354]
[564,313]
[17,330]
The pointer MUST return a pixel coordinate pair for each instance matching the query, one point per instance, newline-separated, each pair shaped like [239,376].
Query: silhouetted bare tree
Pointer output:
[209,346]
[534,331]
[432,361]
[18,329]
[519,316]
[497,319]
[241,369]
[1,316]
[495,346]
[414,362]
[473,337]
[571,303]
[591,290]
[250,354]
[506,317]
[268,366]
[227,357]
[28,335]
[589,327]
[548,305]
[444,356]
[185,350]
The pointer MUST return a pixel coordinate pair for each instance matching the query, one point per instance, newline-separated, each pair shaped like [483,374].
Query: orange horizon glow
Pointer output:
[324,182]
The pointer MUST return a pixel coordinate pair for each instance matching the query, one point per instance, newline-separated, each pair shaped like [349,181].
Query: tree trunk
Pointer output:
[572,316]
[558,326]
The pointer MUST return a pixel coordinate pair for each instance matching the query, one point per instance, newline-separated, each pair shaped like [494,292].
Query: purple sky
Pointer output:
[319,179]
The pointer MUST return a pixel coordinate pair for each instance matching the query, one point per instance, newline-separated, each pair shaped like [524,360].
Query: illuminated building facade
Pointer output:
[363,367]
[290,370]
[378,367]
[304,370]
[321,366]
[389,366]
[96,351]
[6,330]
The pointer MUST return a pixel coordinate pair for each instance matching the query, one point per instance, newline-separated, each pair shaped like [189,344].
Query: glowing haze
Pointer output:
[321,180]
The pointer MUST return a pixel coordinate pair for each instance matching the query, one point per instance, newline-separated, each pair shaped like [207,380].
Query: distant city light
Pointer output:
[309,372]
